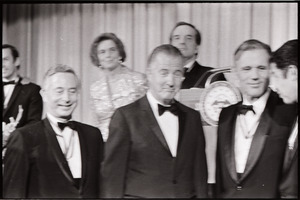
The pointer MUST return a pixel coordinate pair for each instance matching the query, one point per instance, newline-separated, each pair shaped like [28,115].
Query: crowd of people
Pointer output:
[145,143]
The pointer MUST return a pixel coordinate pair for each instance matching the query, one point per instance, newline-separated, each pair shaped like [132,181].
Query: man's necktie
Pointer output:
[8,83]
[243,109]
[173,109]
[70,124]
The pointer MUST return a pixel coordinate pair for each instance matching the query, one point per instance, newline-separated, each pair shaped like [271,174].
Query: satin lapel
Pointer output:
[83,150]
[229,130]
[16,92]
[258,141]
[57,153]
[182,124]
[295,149]
[150,120]
[289,155]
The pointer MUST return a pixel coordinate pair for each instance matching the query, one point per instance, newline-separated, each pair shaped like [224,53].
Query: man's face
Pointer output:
[184,39]
[60,95]
[9,65]
[165,77]
[253,70]
[285,86]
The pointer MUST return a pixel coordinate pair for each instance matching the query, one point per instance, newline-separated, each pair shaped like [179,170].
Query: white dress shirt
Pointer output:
[69,143]
[168,123]
[8,90]
[245,129]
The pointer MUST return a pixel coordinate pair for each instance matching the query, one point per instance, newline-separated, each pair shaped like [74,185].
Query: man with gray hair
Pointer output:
[56,157]
[252,134]
[156,146]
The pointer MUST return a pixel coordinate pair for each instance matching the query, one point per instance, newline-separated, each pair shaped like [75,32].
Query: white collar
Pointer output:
[154,102]
[15,79]
[54,122]
[260,104]
[189,65]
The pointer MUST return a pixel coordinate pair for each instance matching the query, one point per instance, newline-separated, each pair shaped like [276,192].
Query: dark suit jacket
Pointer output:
[29,97]
[199,72]
[35,167]
[264,165]
[289,181]
[138,161]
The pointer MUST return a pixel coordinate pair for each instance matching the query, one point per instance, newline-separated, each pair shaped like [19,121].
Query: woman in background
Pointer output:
[117,84]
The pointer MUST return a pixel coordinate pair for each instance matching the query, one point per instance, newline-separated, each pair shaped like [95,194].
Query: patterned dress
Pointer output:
[108,94]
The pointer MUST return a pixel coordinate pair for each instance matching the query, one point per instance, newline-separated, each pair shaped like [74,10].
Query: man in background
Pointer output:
[187,39]
[252,134]
[22,102]
[285,79]
[156,146]
[55,157]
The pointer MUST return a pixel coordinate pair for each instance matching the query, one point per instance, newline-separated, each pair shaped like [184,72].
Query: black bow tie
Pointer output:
[70,124]
[9,82]
[173,109]
[243,109]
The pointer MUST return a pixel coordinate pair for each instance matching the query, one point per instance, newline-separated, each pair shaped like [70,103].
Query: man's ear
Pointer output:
[17,61]
[292,72]
[197,50]
[43,94]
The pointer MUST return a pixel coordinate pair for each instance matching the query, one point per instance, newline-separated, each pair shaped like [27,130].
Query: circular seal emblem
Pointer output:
[216,96]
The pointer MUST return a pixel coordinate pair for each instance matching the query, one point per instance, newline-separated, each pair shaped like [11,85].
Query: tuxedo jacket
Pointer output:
[289,181]
[27,95]
[138,162]
[198,75]
[35,167]
[264,165]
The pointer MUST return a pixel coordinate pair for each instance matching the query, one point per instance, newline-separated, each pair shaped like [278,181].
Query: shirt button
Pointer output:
[239,187]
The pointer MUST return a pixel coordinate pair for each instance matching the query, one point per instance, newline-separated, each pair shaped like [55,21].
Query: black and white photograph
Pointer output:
[149,99]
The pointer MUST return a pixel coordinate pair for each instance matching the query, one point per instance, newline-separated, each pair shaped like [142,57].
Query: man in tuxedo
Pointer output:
[156,147]
[284,65]
[187,39]
[55,157]
[252,133]
[22,102]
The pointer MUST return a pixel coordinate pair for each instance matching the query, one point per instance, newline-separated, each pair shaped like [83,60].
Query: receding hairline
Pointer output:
[241,53]
[249,45]
[48,76]
[162,53]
